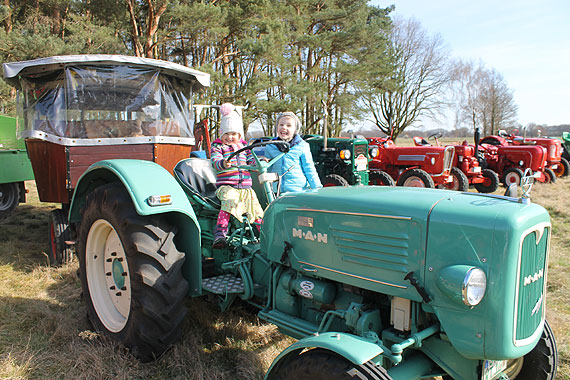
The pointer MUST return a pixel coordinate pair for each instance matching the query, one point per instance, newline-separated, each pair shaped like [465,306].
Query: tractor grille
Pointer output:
[360,149]
[531,283]
[448,158]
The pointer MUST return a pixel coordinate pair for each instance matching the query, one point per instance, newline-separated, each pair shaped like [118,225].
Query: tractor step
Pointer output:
[226,283]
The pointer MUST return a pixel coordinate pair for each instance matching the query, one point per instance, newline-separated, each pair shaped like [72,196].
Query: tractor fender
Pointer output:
[143,179]
[356,349]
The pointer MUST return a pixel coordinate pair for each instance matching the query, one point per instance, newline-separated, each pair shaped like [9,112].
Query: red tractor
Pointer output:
[415,166]
[554,160]
[510,161]
[465,160]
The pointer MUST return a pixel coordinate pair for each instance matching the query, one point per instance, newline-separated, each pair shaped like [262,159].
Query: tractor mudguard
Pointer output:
[355,349]
[143,179]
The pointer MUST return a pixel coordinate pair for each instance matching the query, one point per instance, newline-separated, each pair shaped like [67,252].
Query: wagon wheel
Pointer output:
[60,252]
[9,198]
[540,363]
[512,175]
[131,273]
[334,180]
[415,178]
[319,364]
[491,183]
[380,178]
[460,181]
[550,176]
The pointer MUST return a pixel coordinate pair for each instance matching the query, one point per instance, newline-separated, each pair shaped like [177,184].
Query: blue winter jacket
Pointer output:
[302,174]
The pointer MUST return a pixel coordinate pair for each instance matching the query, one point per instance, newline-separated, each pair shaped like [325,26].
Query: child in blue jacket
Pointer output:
[297,164]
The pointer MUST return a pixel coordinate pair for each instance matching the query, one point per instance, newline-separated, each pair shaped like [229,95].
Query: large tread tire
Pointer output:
[334,180]
[512,175]
[460,181]
[9,198]
[319,364]
[550,176]
[380,178]
[415,178]
[58,233]
[566,165]
[540,363]
[131,273]
[491,183]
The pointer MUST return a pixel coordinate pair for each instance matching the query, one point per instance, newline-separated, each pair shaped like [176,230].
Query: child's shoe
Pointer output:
[220,240]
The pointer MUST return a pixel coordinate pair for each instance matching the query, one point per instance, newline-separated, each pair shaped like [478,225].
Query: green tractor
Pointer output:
[16,167]
[375,282]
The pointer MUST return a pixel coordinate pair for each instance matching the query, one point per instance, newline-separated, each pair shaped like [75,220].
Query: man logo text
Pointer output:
[318,237]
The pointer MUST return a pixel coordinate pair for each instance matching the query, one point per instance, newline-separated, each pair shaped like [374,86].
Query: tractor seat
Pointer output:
[198,178]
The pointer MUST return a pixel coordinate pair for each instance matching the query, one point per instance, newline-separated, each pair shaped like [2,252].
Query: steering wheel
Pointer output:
[256,144]
[436,135]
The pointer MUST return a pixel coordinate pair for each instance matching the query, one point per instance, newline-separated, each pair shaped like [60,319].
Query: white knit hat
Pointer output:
[232,120]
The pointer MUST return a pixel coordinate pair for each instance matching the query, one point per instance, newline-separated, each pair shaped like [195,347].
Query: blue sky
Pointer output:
[528,42]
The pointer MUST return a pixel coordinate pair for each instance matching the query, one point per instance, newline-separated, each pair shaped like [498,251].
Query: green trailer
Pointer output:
[16,167]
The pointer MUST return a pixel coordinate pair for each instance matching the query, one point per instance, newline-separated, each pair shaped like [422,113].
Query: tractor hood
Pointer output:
[369,237]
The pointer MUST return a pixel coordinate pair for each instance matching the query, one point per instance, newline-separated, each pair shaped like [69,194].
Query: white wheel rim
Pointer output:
[108,276]
[512,178]
[414,182]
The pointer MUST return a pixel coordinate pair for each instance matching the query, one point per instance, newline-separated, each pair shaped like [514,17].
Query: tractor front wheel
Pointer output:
[59,250]
[550,176]
[565,170]
[460,181]
[512,175]
[319,364]
[380,178]
[334,180]
[491,183]
[131,273]
[540,363]
[9,198]
[415,178]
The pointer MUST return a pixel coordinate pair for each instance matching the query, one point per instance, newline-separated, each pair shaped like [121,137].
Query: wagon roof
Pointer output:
[24,68]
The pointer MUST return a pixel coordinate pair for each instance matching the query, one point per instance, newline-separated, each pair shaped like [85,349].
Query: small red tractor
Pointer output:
[554,160]
[510,161]
[465,160]
[415,166]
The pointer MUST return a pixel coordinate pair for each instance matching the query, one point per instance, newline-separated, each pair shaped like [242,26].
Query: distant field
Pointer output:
[44,333]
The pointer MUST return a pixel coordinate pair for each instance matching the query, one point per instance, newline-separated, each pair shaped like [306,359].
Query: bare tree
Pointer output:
[421,72]
[483,99]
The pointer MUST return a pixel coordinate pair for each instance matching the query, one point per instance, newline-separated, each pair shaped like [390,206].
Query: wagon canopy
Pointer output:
[105,99]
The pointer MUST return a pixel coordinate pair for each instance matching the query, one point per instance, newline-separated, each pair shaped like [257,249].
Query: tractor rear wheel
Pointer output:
[131,273]
[415,178]
[334,180]
[540,363]
[460,181]
[319,364]
[59,251]
[9,198]
[512,175]
[491,183]
[550,176]
[380,178]
[565,168]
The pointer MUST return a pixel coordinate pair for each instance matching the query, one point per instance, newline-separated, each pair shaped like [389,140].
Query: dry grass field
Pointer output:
[44,333]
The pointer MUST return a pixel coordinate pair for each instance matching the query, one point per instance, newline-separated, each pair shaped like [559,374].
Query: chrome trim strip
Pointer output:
[351,213]
[108,141]
[353,275]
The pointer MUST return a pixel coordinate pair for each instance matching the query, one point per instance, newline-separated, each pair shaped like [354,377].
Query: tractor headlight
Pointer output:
[345,154]
[373,152]
[463,283]
[433,161]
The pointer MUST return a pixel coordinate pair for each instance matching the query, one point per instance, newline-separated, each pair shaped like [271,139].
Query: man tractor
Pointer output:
[375,282]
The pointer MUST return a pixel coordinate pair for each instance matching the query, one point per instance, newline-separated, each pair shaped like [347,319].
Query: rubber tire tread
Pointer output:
[381,178]
[158,289]
[420,173]
[9,202]
[334,180]
[564,162]
[320,364]
[463,181]
[542,361]
[550,176]
[494,177]
[63,252]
